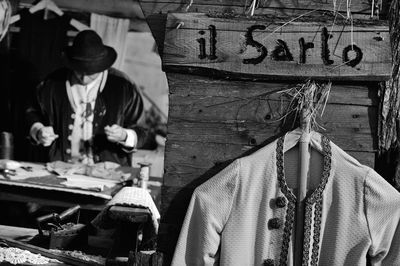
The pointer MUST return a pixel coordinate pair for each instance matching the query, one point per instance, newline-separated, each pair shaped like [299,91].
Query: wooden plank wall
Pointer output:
[213,121]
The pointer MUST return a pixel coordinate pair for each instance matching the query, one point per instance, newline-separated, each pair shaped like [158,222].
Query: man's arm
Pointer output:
[38,132]
[133,112]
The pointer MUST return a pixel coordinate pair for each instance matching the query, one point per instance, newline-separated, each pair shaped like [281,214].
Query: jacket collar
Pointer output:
[318,142]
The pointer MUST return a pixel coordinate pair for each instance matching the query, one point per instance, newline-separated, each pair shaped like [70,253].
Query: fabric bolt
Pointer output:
[113,31]
[119,102]
[353,212]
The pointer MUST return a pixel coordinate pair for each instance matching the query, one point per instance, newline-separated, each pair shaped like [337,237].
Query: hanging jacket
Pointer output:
[245,215]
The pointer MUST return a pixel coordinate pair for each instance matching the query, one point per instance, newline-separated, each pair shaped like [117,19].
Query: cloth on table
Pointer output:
[132,197]
[105,170]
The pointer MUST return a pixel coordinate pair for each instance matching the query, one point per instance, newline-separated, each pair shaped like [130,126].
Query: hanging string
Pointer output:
[244,7]
[189,5]
[251,8]
[290,21]
[348,9]
[336,12]
[372,8]
[352,34]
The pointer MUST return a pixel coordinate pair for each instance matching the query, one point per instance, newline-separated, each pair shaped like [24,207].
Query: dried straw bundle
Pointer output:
[301,105]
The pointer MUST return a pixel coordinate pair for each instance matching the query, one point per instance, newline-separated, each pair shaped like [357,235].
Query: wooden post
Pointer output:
[304,159]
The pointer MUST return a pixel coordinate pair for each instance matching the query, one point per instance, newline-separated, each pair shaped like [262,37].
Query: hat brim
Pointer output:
[93,65]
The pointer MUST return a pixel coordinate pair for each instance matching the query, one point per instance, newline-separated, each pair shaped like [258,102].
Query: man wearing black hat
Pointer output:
[89,112]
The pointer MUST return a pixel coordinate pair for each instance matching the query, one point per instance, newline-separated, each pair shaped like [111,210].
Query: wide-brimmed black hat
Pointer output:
[88,54]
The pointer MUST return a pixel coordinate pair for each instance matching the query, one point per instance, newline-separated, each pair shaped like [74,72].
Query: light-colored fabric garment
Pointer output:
[113,31]
[245,214]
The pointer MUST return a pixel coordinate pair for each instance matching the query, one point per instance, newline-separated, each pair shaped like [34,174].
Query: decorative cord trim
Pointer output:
[290,211]
[316,197]
[327,161]
[317,232]
[307,234]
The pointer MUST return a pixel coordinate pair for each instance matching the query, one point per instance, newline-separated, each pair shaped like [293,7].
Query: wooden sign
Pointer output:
[269,49]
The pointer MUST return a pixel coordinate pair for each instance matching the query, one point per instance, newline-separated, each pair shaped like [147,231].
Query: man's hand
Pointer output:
[115,133]
[46,136]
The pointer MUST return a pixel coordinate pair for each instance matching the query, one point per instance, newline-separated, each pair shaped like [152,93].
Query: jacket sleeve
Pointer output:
[382,208]
[208,211]
[35,111]
[133,112]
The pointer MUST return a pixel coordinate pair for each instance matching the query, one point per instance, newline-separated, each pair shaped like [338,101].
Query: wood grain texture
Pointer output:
[180,85]
[232,48]
[213,121]
[281,7]
[188,161]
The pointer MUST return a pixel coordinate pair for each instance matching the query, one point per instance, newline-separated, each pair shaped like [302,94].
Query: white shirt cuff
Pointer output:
[131,139]
[34,130]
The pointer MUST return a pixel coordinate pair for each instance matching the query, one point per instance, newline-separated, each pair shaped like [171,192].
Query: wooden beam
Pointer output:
[272,7]
[113,8]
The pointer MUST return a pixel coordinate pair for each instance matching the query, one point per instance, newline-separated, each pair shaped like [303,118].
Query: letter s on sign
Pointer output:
[260,48]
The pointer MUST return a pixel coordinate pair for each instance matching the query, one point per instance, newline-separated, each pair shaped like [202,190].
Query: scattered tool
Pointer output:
[56,231]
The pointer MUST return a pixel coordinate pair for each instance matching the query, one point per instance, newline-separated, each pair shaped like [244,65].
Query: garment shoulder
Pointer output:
[224,181]
[377,186]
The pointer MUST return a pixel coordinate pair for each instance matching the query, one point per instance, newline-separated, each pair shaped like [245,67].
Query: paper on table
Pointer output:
[36,170]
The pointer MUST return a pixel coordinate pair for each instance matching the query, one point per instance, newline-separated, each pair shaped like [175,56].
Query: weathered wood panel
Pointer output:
[271,49]
[361,93]
[267,112]
[252,134]
[272,7]
[213,121]
[190,160]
